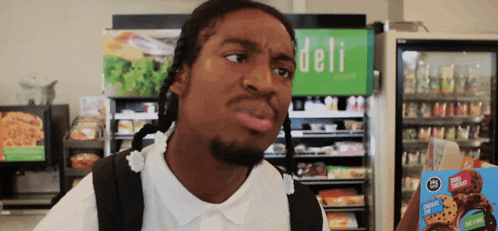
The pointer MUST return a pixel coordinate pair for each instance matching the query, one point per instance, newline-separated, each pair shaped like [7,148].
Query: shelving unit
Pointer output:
[70,146]
[114,115]
[320,138]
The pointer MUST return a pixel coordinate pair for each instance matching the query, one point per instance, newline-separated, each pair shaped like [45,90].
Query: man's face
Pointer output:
[240,85]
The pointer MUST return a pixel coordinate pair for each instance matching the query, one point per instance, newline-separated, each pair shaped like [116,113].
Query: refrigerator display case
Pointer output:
[433,85]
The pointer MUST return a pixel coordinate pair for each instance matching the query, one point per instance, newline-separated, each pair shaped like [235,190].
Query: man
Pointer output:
[228,92]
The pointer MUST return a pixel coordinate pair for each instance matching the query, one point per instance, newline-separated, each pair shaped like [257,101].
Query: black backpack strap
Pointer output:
[119,195]
[304,208]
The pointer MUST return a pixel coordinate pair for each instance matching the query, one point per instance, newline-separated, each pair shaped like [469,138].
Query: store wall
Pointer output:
[454,15]
[62,40]
[376,10]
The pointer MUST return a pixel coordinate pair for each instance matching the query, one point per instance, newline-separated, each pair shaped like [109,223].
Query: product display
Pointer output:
[341,197]
[474,131]
[450,133]
[475,109]
[439,110]
[312,171]
[462,109]
[425,110]
[450,109]
[458,200]
[412,110]
[84,160]
[342,220]
[424,134]
[463,133]
[340,172]
[438,132]
[125,127]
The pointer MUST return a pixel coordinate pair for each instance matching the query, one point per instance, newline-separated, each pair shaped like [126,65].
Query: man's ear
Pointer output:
[180,85]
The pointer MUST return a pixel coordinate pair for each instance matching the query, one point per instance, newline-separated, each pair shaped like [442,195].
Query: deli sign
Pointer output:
[334,62]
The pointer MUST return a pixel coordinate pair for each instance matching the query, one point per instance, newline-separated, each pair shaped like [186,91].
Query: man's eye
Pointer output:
[236,58]
[282,71]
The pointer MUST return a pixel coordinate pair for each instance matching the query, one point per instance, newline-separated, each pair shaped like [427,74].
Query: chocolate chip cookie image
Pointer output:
[474,201]
[440,227]
[475,186]
[447,216]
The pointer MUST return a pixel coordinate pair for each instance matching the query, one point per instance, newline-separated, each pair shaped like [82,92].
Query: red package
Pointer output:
[450,109]
[438,132]
[84,160]
[462,109]
[425,134]
[439,110]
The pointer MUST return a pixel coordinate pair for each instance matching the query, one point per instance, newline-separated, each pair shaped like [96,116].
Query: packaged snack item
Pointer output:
[404,110]
[463,133]
[474,132]
[410,85]
[340,172]
[351,106]
[410,134]
[450,133]
[462,109]
[422,79]
[341,197]
[425,134]
[425,110]
[125,127]
[450,109]
[404,158]
[342,220]
[84,160]
[438,132]
[412,110]
[475,109]
[472,85]
[435,86]
[439,109]
[461,79]
[312,171]
[85,132]
[353,125]
[458,200]
[413,158]
[447,81]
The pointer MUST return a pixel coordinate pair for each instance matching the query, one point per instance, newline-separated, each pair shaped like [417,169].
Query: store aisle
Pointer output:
[24,222]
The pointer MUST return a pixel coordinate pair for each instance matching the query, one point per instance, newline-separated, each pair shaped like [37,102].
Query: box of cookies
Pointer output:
[462,200]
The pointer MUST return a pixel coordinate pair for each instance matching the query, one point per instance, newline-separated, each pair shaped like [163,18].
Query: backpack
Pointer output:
[120,204]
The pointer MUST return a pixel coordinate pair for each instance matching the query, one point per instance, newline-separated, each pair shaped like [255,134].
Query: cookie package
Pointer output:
[460,200]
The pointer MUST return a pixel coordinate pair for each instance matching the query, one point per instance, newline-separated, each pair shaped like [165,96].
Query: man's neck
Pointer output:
[191,162]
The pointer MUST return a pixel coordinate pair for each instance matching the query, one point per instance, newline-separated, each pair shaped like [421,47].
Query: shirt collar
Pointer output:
[182,204]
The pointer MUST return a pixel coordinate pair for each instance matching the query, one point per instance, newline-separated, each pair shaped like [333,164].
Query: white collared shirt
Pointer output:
[259,204]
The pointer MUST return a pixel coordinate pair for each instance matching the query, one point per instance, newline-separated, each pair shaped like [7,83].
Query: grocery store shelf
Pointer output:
[136,116]
[130,136]
[30,199]
[326,114]
[323,134]
[447,97]
[308,155]
[332,181]
[474,143]
[77,172]
[453,120]
[348,208]
[412,169]
[95,144]
[142,98]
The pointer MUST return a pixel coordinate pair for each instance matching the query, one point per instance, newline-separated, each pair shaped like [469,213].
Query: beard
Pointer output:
[234,154]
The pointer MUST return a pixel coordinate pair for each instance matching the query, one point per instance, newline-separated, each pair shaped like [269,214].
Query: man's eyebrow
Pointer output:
[255,47]
[243,42]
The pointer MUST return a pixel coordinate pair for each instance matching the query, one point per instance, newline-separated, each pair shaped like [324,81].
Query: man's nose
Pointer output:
[260,80]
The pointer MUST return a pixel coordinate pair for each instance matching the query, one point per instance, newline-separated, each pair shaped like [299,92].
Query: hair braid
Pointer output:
[291,166]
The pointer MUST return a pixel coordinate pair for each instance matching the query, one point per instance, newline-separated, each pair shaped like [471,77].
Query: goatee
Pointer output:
[235,154]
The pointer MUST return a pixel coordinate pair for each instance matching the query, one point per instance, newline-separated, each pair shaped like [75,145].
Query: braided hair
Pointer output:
[194,33]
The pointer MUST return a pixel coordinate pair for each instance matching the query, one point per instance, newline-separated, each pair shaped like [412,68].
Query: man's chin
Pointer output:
[235,154]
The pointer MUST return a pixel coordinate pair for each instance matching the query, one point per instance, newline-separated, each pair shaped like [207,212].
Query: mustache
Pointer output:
[239,99]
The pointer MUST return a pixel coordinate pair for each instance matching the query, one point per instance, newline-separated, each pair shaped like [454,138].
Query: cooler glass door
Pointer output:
[447,95]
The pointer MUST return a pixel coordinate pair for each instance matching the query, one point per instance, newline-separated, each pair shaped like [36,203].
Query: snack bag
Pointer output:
[458,200]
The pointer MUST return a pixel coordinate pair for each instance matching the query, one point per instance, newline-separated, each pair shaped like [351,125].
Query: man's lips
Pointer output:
[255,114]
